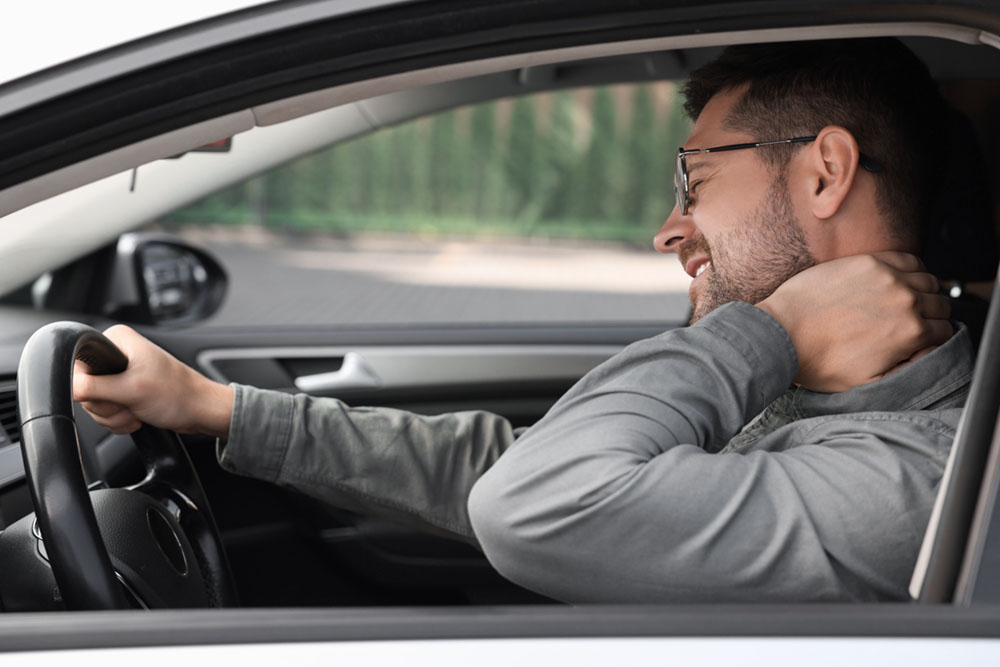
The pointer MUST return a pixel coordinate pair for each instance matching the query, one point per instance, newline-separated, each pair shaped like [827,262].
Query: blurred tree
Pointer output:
[400,177]
[420,163]
[641,157]
[597,174]
[278,195]
[362,154]
[444,162]
[257,196]
[483,164]
[343,178]
[561,157]
[381,173]
[522,165]
[463,196]
[310,179]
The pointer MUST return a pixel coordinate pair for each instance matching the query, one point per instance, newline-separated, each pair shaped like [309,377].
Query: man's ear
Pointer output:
[832,166]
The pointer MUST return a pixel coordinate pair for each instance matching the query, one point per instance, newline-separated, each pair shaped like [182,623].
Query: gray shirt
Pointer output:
[682,469]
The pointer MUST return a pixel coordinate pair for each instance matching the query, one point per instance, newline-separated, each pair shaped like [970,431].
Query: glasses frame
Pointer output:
[681,174]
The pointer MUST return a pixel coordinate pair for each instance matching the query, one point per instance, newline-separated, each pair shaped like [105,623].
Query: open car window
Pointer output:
[538,209]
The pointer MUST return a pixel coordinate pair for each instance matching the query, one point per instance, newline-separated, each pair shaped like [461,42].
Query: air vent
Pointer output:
[8,409]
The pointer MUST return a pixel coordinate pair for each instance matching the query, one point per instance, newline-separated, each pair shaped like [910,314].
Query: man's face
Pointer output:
[741,238]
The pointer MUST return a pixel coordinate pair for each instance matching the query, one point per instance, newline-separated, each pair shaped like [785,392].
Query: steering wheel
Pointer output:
[154,544]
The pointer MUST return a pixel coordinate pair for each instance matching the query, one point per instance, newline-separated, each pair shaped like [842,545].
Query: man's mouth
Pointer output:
[696,266]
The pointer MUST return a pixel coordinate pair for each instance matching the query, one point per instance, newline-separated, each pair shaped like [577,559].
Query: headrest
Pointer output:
[960,241]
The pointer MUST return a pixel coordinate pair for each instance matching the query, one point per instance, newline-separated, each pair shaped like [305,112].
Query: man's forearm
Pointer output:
[411,468]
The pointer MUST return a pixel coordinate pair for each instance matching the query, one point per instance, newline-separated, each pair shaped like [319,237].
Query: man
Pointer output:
[684,468]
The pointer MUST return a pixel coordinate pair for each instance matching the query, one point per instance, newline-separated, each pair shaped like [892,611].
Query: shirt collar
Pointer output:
[917,386]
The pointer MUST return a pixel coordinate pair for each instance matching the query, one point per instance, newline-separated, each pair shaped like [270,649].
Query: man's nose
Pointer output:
[675,231]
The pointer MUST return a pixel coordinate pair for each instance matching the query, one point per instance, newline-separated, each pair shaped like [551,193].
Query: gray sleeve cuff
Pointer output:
[761,340]
[258,433]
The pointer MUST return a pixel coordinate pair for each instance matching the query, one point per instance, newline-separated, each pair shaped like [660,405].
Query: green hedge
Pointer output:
[573,164]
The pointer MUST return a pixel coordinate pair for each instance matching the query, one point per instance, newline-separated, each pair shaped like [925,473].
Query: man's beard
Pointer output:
[759,253]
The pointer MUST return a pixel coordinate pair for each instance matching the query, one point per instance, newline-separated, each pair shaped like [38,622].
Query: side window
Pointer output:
[536,209]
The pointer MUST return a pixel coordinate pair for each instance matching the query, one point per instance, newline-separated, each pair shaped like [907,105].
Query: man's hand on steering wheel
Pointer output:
[152,544]
[155,389]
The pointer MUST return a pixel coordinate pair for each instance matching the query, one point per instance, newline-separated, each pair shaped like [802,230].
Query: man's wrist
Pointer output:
[214,409]
[772,308]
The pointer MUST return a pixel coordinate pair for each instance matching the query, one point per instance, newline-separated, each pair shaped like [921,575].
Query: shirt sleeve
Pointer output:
[414,469]
[617,494]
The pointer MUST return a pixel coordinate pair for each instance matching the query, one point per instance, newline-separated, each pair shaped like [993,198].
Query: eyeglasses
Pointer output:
[681,184]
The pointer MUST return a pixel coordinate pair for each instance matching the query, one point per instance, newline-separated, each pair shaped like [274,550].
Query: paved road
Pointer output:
[388,281]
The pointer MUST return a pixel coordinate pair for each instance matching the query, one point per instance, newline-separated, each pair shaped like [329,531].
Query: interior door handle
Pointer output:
[354,373]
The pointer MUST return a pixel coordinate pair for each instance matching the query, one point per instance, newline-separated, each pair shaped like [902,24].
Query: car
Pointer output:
[152,182]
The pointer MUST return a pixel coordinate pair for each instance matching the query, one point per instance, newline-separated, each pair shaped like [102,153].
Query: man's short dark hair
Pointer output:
[875,88]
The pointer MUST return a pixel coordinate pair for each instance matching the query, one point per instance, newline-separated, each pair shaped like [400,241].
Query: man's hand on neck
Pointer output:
[856,319]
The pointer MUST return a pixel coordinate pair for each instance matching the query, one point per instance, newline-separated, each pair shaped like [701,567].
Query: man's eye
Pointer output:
[692,189]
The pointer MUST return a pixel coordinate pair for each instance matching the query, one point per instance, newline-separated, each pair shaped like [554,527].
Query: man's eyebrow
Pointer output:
[702,162]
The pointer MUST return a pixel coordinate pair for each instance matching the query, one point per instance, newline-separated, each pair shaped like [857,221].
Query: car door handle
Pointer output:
[354,373]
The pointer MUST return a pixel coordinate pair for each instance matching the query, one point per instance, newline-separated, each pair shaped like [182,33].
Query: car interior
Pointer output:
[287,550]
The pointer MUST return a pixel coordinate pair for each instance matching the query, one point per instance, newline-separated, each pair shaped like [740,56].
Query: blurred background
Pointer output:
[539,208]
